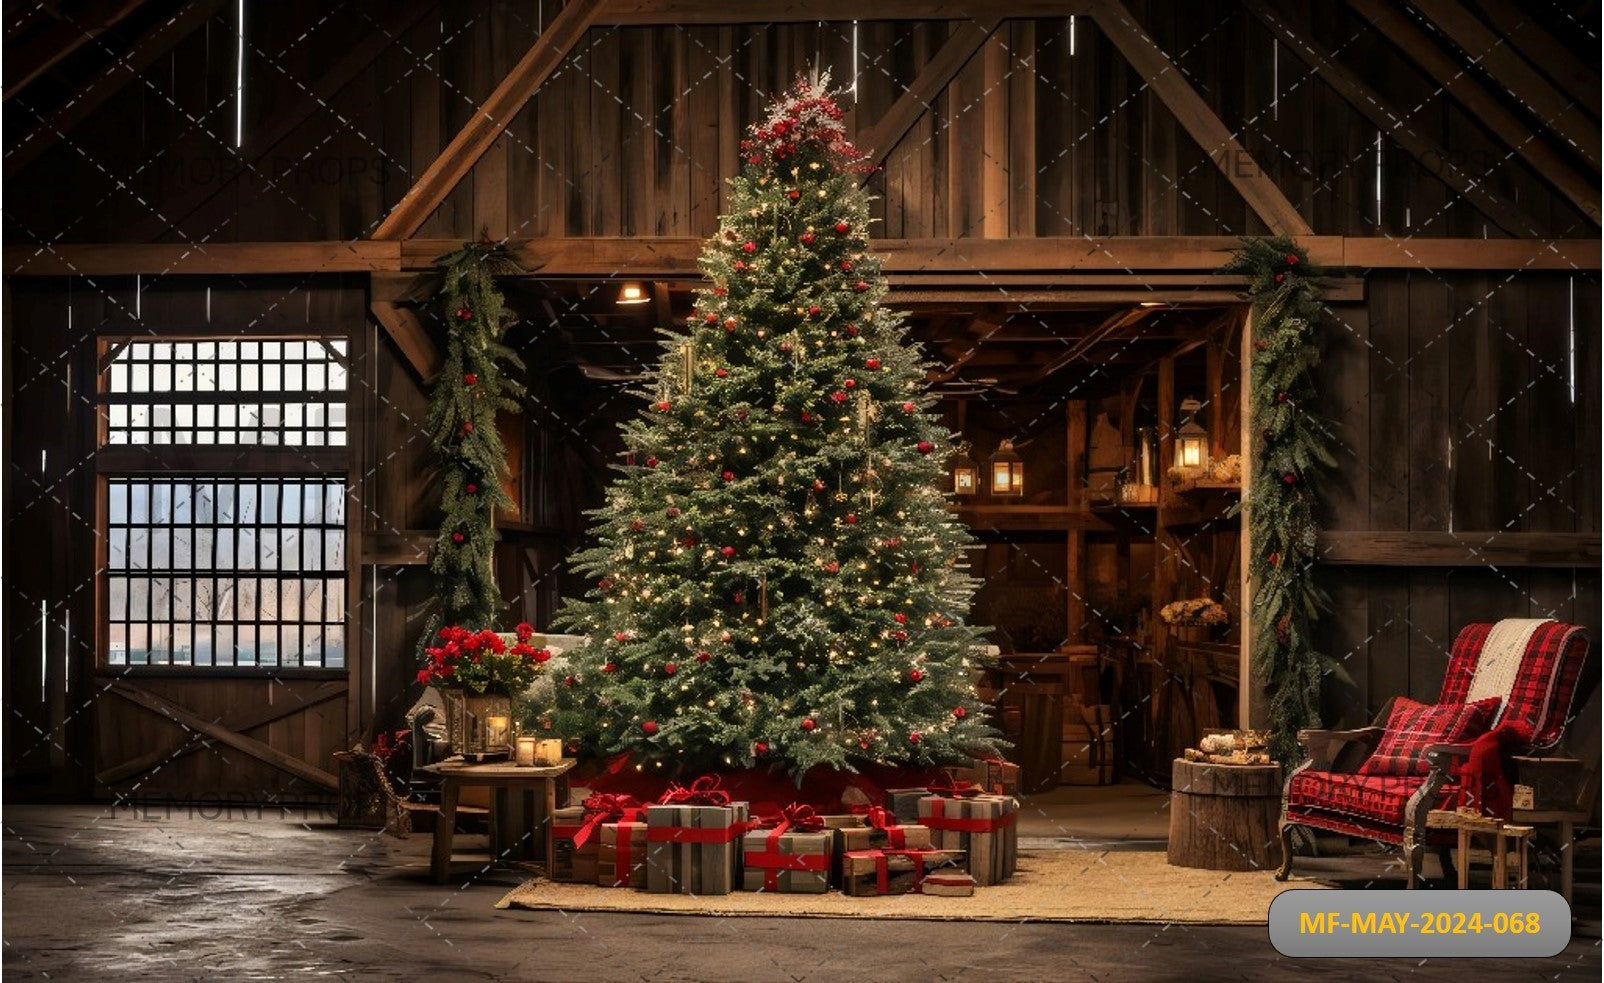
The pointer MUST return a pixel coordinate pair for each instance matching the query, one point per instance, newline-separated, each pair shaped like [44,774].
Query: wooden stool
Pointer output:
[1504,835]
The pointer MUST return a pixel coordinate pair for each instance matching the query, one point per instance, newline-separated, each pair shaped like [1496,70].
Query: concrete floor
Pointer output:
[179,894]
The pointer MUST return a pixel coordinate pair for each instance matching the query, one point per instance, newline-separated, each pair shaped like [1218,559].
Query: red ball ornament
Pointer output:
[850,383]
[664,406]
[852,330]
[872,364]
[760,749]
[649,727]
[651,462]
[1282,397]
[1274,559]
[673,512]
[910,407]
[818,485]
[793,194]
[471,488]
[470,379]
[842,227]
[610,667]
[913,738]
[750,247]
[852,518]
[740,264]
[808,724]
[605,583]
[807,417]
[670,668]
[739,597]
[807,238]
[464,314]
[846,266]
[457,537]
[703,656]
[729,324]
[815,310]
[899,636]
[900,618]
[1259,345]
[1280,277]
[727,552]
[1292,259]
[960,712]
[925,447]
[728,476]
[915,675]
[467,428]
[569,681]
[637,526]
[1289,479]
[711,319]
[620,636]
[860,286]
[832,567]
[721,373]
[839,396]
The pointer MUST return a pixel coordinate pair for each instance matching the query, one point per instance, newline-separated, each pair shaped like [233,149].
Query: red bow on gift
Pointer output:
[955,790]
[800,818]
[601,808]
[883,820]
[703,791]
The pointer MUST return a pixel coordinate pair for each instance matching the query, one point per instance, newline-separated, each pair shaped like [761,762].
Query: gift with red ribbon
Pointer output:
[575,832]
[992,775]
[872,872]
[879,830]
[621,854]
[981,825]
[693,839]
[789,853]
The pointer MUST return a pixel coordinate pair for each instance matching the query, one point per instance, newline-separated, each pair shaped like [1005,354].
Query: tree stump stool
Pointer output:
[1225,817]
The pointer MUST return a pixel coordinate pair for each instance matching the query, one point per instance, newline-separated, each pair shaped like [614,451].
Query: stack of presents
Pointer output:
[944,839]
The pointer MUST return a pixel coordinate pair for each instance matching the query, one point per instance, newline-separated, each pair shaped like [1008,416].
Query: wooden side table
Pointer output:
[455,774]
[1504,834]
[1225,817]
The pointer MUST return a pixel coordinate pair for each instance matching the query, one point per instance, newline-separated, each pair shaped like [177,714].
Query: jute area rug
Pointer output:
[1050,886]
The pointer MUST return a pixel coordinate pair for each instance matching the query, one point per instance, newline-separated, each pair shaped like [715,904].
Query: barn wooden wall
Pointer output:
[637,131]
[1452,398]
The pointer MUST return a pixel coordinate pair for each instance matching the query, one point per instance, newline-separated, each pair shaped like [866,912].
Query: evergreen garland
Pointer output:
[473,387]
[1292,452]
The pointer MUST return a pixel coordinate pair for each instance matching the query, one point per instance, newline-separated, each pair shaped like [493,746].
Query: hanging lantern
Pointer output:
[1007,472]
[965,474]
[633,292]
[1191,441]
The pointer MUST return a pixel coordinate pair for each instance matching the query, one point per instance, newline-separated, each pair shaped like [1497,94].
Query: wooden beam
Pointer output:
[1199,121]
[1517,135]
[644,13]
[407,330]
[1581,81]
[966,39]
[189,744]
[1046,261]
[154,43]
[1557,111]
[1460,549]
[398,549]
[1396,125]
[66,36]
[247,745]
[1117,321]
[172,211]
[975,332]
[161,259]
[489,121]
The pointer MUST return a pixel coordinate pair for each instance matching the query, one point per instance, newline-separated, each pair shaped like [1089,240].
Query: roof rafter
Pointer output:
[62,39]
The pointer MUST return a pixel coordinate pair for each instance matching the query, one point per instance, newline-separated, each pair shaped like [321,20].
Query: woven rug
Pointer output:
[1051,886]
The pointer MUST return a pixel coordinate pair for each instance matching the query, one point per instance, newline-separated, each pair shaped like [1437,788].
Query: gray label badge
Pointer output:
[1419,924]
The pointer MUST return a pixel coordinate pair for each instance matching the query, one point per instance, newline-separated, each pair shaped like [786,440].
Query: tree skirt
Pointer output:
[1051,886]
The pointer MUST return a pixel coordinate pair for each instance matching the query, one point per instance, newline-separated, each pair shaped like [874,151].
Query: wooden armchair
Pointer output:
[1531,667]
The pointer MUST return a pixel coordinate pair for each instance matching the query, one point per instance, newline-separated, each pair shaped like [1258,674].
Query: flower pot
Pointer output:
[479,727]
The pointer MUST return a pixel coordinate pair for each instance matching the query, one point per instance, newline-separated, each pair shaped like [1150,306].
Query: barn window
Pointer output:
[224,466]
[225,571]
[288,392]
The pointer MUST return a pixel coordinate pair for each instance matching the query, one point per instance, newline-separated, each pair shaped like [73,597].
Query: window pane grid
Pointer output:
[288,392]
[222,571]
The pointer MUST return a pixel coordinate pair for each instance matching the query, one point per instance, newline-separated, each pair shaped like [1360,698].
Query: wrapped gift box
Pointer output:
[983,826]
[949,884]
[694,849]
[570,863]
[992,775]
[871,872]
[787,862]
[877,830]
[903,803]
[621,855]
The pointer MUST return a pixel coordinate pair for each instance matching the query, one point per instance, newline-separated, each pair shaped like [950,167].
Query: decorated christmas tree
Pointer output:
[778,579]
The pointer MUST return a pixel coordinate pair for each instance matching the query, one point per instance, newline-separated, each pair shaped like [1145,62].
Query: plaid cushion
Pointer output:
[1413,727]
[1546,683]
[1378,799]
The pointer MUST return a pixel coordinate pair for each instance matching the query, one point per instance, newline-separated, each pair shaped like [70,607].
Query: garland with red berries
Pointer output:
[1291,453]
[473,387]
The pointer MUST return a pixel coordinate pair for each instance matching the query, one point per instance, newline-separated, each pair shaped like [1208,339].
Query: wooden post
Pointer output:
[1075,552]
[1249,706]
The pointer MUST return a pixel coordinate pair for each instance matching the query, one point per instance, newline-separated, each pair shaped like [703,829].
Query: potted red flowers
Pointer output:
[478,674]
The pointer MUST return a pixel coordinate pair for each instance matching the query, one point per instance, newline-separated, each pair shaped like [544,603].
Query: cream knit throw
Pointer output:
[1501,656]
